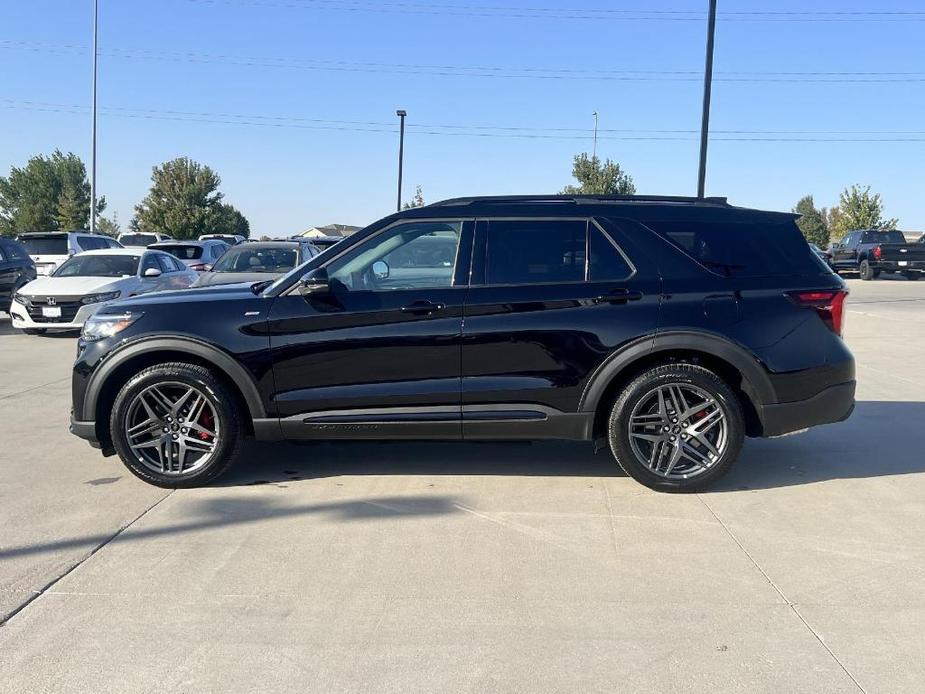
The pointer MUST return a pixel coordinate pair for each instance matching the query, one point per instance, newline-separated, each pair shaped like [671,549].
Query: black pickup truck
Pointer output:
[870,252]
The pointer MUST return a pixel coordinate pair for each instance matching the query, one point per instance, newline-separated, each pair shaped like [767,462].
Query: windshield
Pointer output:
[182,251]
[45,245]
[883,237]
[99,266]
[248,259]
[143,240]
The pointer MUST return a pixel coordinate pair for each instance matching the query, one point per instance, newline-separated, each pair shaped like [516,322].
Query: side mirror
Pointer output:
[381,270]
[152,272]
[315,282]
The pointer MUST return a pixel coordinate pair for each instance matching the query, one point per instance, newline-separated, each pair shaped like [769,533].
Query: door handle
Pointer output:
[422,308]
[618,296]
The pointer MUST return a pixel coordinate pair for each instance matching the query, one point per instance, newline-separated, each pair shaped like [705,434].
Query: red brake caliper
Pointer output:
[208,421]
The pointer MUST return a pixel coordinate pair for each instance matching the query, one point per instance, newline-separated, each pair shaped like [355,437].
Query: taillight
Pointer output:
[828,303]
[877,252]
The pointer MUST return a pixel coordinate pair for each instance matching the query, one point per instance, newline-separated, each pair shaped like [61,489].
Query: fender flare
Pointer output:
[755,380]
[197,348]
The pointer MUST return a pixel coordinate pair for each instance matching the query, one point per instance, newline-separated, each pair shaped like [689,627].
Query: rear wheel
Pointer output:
[677,427]
[176,425]
[912,275]
[867,272]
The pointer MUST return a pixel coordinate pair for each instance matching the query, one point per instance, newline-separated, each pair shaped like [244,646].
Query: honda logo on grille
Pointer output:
[51,301]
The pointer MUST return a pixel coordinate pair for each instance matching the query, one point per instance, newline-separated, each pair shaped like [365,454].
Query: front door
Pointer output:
[376,354]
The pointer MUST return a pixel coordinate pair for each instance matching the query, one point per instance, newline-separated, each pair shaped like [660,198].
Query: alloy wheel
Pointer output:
[678,431]
[172,428]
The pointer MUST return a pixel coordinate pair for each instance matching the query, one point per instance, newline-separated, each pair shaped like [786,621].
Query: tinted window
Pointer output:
[14,250]
[2,255]
[149,263]
[45,245]
[178,266]
[247,258]
[92,243]
[166,263]
[183,252]
[607,263]
[754,249]
[535,252]
[138,239]
[98,266]
[883,237]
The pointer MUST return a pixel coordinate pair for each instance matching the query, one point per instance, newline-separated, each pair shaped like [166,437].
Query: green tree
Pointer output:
[109,227]
[858,209]
[812,222]
[184,202]
[228,220]
[47,194]
[416,201]
[599,178]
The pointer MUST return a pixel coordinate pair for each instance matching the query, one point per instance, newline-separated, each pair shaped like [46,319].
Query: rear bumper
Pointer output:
[897,266]
[833,404]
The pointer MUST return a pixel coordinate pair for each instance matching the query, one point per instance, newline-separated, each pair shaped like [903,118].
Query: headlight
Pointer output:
[99,327]
[22,300]
[97,298]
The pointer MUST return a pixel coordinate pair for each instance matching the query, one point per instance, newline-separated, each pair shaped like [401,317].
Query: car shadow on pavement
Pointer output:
[878,440]
[6,328]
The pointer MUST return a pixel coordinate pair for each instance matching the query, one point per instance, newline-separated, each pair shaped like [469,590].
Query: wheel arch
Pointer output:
[742,372]
[128,360]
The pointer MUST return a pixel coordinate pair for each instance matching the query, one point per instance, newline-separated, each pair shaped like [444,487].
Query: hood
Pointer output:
[71,286]
[225,292]
[211,279]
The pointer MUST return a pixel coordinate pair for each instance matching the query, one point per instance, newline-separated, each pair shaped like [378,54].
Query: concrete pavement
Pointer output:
[472,567]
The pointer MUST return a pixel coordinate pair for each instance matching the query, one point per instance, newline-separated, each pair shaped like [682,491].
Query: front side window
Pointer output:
[166,263]
[149,263]
[535,252]
[407,256]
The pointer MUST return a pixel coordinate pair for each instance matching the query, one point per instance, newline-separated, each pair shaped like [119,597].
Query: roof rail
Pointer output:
[578,199]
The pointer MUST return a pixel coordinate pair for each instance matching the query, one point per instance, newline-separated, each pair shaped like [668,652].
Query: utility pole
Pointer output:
[594,151]
[93,126]
[401,113]
[707,89]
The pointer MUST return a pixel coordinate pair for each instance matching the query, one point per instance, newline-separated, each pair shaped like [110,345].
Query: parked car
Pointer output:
[257,261]
[823,255]
[230,239]
[16,269]
[90,280]
[48,249]
[197,255]
[646,324]
[142,239]
[321,242]
[871,251]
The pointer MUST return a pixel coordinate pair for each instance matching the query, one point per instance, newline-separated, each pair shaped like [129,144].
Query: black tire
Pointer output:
[913,276]
[34,331]
[640,389]
[867,272]
[226,413]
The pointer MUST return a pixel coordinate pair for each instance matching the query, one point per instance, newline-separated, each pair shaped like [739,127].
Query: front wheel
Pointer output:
[176,425]
[677,427]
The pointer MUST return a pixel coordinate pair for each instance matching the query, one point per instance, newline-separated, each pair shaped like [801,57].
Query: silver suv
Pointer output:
[49,249]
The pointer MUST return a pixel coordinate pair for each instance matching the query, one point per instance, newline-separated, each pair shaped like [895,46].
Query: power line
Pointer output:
[624,14]
[473,130]
[489,71]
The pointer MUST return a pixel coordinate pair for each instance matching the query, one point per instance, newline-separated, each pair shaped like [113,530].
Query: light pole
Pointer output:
[594,150]
[707,88]
[401,113]
[93,127]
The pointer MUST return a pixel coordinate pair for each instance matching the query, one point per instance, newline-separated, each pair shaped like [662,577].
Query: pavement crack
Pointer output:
[54,581]
[29,390]
[783,596]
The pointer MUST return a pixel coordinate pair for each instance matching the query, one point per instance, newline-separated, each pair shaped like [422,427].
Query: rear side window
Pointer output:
[535,252]
[751,249]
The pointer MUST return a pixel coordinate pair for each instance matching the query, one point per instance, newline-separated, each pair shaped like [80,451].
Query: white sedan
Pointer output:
[89,280]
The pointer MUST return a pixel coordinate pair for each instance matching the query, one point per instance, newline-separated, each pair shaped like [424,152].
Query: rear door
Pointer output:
[550,300]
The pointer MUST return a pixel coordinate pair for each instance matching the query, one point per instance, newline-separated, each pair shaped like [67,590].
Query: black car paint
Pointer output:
[530,361]
[855,247]
[16,269]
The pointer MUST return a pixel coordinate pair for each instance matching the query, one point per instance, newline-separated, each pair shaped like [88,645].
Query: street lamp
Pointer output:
[401,113]
[707,88]
[93,126]
[594,151]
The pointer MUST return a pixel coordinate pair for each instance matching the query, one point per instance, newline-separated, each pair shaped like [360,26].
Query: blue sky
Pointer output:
[264,64]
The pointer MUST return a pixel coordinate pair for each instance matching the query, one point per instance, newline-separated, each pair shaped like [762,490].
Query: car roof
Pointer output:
[114,251]
[272,243]
[184,242]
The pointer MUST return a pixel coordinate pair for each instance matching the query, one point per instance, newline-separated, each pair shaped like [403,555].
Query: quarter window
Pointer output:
[535,252]
[407,256]
[607,262]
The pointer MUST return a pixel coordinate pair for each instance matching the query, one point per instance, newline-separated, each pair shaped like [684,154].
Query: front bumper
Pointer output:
[22,320]
[833,404]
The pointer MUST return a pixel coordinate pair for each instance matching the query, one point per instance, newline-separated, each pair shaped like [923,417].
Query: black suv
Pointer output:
[666,328]
[16,269]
